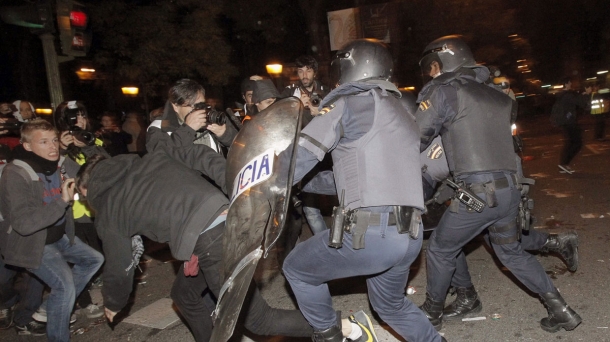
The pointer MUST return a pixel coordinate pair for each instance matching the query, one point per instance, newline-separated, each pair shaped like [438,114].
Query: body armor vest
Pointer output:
[478,138]
[382,167]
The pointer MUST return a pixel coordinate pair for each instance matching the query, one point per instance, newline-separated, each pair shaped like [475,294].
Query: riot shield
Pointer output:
[259,186]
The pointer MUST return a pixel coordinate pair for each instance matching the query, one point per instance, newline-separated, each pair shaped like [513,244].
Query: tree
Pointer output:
[156,42]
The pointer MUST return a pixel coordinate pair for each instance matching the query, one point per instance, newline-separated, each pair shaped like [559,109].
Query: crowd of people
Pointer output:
[74,197]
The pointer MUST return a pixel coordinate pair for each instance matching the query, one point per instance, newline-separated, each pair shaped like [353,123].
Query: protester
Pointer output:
[35,201]
[564,114]
[163,197]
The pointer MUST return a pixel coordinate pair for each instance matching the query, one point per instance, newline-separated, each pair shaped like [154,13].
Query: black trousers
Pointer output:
[87,233]
[600,125]
[195,304]
[572,144]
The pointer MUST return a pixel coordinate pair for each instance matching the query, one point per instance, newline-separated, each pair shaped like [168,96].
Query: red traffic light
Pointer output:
[78,19]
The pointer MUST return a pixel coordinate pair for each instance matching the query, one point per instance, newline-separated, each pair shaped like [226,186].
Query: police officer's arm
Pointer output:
[320,136]
[433,112]
[118,268]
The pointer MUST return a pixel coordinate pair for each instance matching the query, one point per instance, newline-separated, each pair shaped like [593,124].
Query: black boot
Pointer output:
[560,314]
[466,302]
[434,311]
[332,334]
[565,244]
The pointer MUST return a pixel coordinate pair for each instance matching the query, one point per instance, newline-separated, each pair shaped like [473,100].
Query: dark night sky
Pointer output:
[561,37]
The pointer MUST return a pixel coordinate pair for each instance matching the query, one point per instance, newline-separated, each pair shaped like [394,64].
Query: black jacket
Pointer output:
[161,196]
[565,108]
[168,131]
[318,88]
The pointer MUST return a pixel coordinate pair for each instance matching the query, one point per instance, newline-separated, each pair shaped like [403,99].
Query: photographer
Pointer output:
[78,143]
[183,123]
[311,93]
[309,90]
[114,138]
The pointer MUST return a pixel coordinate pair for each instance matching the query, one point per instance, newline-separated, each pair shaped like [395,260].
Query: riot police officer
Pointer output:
[456,104]
[359,123]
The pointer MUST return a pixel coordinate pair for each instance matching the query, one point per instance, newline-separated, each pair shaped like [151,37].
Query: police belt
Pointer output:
[372,219]
[357,221]
[499,183]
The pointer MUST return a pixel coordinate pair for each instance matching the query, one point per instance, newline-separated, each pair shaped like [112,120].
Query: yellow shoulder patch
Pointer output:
[327,109]
[424,105]
[435,152]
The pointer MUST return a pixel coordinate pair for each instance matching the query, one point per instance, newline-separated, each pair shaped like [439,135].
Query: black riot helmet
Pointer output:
[360,60]
[451,53]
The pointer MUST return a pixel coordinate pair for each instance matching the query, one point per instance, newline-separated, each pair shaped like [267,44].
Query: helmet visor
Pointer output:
[335,68]
[426,66]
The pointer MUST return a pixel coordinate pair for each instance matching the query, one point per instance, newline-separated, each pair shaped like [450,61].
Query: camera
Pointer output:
[83,136]
[11,125]
[212,115]
[315,99]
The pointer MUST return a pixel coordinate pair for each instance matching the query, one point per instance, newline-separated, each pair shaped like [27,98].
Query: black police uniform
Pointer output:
[473,120]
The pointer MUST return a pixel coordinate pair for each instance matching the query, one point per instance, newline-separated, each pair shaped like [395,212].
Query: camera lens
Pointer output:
[85,137]
[216,117]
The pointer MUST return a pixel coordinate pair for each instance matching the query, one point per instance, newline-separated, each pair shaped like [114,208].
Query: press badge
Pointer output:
[258,170]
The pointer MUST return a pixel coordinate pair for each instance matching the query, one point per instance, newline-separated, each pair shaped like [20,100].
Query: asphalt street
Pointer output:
[579,202]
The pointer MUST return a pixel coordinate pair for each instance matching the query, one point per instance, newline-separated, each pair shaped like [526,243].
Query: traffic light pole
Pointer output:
[52,66]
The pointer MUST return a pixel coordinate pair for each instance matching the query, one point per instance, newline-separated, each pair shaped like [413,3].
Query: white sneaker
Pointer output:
[41,316]
[93,311]
[565,169]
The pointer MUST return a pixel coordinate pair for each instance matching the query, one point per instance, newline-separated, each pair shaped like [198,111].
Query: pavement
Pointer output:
[579,202]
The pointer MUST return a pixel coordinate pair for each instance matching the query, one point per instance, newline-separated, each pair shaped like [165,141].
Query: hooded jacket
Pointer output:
[26,217]
[161,196]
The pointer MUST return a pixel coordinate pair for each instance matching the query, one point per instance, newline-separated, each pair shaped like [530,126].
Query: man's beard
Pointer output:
[307,85]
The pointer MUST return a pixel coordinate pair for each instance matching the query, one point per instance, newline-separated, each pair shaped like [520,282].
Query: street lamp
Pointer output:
[130,91]
[45,111]
[85,74]
[275,71]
